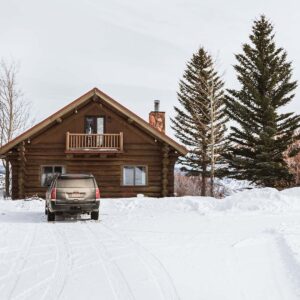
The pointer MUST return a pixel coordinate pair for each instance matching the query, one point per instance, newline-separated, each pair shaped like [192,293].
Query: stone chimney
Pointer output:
[157,118]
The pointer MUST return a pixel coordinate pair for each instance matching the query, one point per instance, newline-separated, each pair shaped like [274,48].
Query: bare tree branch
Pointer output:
[15,111]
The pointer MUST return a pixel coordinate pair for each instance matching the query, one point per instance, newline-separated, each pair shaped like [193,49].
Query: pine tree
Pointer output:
[200,121]
[262,133]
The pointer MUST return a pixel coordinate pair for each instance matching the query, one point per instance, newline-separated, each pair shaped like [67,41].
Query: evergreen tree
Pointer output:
[200,121]
[262,133]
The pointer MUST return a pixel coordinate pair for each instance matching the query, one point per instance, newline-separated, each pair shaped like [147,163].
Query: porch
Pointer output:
[95,143]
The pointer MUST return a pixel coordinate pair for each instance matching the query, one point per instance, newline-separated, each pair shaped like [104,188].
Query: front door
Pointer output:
[95,125]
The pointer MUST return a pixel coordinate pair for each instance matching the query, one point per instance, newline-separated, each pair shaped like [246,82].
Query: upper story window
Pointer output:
[48,173]
[94,124]
[134,175]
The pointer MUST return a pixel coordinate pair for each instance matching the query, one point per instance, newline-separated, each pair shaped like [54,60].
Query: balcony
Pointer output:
[94,143]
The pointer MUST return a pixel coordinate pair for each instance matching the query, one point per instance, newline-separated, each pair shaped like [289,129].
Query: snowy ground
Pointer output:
[246,246]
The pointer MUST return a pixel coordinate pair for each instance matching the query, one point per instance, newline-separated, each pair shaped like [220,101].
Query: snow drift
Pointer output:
[255,200]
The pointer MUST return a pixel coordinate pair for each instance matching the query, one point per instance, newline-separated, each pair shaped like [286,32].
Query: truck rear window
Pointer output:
[75,183]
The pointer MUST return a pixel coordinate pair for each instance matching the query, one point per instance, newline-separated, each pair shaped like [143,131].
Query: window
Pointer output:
[75,183]
[48,173]
[134,175]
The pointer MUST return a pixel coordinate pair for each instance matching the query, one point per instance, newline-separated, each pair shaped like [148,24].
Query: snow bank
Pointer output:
[256,200]
[265,199]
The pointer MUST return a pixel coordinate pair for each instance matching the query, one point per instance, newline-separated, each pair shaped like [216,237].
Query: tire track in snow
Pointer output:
[5,249]
[161,275]
[154,265]
[289,257]
[104,243]
[283,267]
[63,266]
[66,245]
[155,270]
[19,264]
[118,282]
[48,280]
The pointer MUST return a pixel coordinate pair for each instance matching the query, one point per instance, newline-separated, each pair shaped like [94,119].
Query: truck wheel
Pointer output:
[95,215]
[50,216]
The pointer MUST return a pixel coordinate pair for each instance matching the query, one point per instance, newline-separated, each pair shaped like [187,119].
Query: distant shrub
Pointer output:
[191,186]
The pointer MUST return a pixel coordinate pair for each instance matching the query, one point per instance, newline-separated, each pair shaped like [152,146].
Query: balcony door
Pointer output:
[94,124]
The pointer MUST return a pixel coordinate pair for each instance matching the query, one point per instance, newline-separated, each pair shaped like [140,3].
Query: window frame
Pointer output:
[63,168]
[134,166]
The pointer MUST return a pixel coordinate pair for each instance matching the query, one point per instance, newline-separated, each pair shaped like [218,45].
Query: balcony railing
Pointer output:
[82,143]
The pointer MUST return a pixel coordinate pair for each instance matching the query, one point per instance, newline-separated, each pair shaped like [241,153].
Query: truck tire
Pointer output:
[95,215]
[50,216]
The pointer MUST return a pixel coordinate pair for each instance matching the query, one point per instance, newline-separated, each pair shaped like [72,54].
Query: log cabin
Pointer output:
[96,135]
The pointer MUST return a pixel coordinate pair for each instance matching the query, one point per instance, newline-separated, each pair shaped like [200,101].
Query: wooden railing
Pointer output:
[108,142]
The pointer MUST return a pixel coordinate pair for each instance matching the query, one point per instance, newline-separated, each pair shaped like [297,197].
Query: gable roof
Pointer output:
[81,100]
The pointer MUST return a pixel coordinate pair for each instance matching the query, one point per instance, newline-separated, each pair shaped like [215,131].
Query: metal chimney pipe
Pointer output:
[156,105]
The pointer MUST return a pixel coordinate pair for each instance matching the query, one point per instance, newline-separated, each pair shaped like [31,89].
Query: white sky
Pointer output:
[134,50]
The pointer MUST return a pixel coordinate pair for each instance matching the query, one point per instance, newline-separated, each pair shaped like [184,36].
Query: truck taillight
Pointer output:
[53,194]
[97,194]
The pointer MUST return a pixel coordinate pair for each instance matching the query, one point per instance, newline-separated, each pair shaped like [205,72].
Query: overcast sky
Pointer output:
[134,50]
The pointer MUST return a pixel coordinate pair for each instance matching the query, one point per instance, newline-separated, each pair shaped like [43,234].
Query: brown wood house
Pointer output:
[97,135]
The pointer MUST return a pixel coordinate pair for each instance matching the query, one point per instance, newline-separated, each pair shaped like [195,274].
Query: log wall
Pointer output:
[48,148]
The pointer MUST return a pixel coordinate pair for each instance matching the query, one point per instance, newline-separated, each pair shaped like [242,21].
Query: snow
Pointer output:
[231,185]
[246,246]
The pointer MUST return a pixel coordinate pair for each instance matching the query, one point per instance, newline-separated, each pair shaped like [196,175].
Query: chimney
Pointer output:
[157,118]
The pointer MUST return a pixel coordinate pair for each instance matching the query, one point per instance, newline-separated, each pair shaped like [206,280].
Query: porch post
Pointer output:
[7,177]
[165,164]
[121,141]
[68,141]
[21,170]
